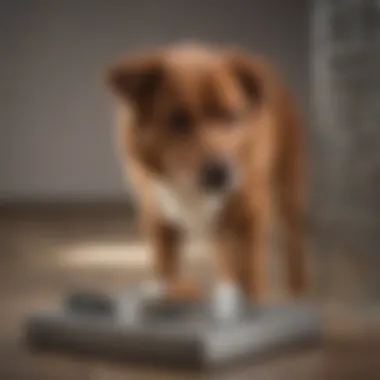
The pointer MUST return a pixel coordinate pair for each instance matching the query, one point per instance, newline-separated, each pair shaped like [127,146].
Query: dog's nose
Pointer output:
[214,175]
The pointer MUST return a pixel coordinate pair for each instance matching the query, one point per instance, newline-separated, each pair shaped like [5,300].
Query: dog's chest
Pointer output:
[197,214]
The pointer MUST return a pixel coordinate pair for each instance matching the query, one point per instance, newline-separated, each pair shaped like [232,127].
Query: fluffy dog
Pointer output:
[210,137]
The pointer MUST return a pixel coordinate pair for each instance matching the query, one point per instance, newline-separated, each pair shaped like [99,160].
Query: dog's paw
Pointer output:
[226,301]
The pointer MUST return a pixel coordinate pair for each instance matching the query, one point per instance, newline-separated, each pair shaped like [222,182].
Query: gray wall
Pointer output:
[346,102]
[55,133]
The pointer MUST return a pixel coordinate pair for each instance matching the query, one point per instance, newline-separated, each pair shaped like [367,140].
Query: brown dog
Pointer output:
[208,137]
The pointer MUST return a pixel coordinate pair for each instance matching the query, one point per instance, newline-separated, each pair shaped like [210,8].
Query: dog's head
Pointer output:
[196,110]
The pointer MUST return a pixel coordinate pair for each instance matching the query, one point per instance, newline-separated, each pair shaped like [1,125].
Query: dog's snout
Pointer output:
[214,176]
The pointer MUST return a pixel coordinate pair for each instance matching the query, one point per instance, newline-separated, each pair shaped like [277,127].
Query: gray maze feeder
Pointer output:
[180,334]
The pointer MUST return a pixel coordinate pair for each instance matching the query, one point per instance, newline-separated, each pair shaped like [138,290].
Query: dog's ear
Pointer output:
[252,74]
[136,80]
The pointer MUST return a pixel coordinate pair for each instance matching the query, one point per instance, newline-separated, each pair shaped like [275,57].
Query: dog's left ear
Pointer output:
[136,80]
[253,75]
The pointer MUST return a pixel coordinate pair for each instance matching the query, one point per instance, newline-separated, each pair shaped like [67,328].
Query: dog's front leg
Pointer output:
[164,240]
[166,281]
[226,293]
[257,249]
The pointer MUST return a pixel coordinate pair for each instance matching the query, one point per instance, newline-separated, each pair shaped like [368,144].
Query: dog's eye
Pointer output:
[180,121]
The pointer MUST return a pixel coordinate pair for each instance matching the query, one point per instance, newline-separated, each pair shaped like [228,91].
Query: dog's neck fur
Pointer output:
[196,213]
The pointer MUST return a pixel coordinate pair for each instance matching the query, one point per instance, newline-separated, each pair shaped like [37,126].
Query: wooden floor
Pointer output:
[45,254]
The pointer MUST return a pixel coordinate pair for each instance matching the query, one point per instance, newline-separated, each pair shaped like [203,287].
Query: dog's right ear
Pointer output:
[136,80]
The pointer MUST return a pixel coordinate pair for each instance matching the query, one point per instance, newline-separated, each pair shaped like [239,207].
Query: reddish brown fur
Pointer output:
[267,143]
